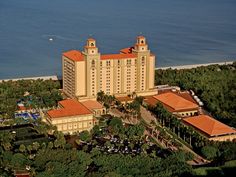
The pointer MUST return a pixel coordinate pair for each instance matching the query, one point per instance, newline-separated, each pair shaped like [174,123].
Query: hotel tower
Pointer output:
[87,72]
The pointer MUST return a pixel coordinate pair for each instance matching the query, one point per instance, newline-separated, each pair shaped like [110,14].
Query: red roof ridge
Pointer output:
[175,101]
[117,56]
[209,125]
[74,55]
[91,104]
[126,50]
[70,107]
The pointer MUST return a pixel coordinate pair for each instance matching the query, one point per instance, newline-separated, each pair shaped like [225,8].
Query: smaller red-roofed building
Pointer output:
[94,106]
[180,104]
[124,99]
[211,128]
[21,173]
[71,116]
[21,108]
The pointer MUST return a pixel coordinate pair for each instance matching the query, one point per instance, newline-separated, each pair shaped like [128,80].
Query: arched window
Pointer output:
[92,44]
[143,60]
[142,41]
[93,63]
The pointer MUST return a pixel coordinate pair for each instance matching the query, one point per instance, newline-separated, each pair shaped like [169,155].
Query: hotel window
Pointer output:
[118,62]
[108,63]
[93,63]
[101,63]
[143,60]
[129,62]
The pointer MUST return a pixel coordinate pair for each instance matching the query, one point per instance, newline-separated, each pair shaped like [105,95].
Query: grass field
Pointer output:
[228,169]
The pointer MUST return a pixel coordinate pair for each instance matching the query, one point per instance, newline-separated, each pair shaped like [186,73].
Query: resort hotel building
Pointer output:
[87,72]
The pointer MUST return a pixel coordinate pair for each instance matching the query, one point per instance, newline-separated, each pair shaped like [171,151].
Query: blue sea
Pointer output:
[179,32]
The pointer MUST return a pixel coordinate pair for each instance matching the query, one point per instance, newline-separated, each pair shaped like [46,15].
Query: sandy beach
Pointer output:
[196,65]
[33,78]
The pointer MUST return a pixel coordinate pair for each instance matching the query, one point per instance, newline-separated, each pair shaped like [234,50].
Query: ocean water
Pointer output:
[179,32]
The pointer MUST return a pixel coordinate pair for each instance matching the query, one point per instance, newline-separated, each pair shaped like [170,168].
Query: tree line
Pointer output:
[218,152]
[56,158]
[215,85]
[40,94]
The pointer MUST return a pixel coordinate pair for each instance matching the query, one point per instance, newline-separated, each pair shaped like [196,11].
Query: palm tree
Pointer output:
[100,96]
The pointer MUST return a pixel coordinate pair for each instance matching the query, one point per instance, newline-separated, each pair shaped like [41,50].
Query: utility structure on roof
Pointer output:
[87,72]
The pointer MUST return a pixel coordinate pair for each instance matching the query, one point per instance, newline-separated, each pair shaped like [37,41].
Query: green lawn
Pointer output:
[226,170]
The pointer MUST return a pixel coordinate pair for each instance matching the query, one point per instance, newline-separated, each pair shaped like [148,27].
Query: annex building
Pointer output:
[73,116]
[211,128]
[87,72]
[179,103]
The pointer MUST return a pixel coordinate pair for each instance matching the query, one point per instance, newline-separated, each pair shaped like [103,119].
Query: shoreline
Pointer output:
[195,65]
[55,77]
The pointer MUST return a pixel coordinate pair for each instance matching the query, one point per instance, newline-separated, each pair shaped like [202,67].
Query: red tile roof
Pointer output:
[150,100]
[91,39]
[71,107]
[22,108]
[90,104]
[124,99]
[126,50]
[74,55]
[209,125]
[117,56]
[186,95]
[176,102]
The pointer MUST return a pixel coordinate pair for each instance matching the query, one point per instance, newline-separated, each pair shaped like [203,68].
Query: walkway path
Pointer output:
[128,120]
[148,117]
